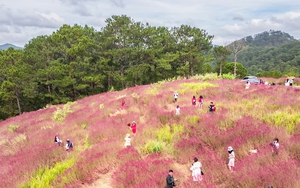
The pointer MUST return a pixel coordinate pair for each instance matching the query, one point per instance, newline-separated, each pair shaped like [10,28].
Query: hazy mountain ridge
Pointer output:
[7,45]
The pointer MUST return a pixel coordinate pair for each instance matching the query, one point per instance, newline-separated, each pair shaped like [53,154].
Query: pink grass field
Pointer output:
[97,125]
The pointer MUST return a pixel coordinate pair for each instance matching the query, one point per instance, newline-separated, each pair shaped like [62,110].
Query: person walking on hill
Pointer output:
[196,170]
[291,81]
[170,180]
[123,102]
[200,101]
[175,96]
[177,111]
[133,127]
[275,146]
[69,145]
[194,101]
[212,107]
[231,158]
[127,140]
[248,85]
[57,140]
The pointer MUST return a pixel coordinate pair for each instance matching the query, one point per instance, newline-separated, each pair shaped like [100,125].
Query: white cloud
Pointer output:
[227,20]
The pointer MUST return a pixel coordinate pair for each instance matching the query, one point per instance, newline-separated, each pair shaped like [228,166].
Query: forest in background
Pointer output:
[78,61]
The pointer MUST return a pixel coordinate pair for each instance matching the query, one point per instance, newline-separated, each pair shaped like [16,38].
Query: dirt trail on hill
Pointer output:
[185,170]
[103,181]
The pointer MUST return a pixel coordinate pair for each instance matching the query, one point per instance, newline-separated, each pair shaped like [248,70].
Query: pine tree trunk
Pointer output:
[18,103]
[235,59]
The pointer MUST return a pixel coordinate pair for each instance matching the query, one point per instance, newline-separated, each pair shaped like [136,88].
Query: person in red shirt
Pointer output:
[123,102]
[194,101]
[133,127]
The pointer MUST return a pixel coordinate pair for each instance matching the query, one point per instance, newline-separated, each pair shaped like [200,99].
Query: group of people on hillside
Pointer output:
[289,82]
[68,146]
[128,137]
[197,171]
[211,107]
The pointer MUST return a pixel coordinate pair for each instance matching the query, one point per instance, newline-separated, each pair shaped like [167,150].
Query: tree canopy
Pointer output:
[78,61]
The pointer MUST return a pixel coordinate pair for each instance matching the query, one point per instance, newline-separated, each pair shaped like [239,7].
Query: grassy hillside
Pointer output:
[97,125]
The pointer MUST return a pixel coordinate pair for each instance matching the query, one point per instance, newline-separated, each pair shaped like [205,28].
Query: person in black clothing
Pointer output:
[170,180]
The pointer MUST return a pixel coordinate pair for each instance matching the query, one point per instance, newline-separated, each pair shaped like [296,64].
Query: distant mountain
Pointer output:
[269,39]
[270,51]
[6,46]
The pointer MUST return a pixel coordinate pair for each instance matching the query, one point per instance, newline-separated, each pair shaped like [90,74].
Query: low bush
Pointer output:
[60,113]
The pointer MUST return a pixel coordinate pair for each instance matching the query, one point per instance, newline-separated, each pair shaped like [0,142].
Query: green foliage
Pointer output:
[228,76]
[83,125]
[280,118]
[60,113]
[207,77]
[193,119]
[13,128]
[270,74]
[164,139]
[87,143]
[153,147]
[194,87]
[241,70]
[45,176]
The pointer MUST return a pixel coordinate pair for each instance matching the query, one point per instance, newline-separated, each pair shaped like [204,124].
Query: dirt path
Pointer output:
[103,181]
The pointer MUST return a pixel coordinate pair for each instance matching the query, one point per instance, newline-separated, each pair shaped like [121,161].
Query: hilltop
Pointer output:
[270,53]
[97,125]
[6,46]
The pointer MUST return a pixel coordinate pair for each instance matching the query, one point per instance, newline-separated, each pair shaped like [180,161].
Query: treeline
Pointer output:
[273,61]
[77,61]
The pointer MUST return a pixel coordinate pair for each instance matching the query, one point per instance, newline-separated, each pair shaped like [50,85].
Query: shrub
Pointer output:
[60,113]
[153,147]
[13,128]
[228,76]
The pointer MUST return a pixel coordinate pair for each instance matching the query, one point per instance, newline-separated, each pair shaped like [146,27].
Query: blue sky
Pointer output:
[227,20]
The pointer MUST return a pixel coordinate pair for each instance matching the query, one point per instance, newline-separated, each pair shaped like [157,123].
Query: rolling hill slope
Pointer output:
[97,125]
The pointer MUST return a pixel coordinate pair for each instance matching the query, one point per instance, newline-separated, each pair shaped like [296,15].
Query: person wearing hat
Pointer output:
[133,127]
[170,180]
[175,96]
[231,158]
[127,140]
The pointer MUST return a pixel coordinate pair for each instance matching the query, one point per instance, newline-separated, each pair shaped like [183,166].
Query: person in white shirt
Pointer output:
[127,140]
[231,158]
[196,170]
[275,146]
[177,111]
[247,85]
[175,96]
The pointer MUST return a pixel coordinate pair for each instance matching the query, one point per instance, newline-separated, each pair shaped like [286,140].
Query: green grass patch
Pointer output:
[60,113]
[193,120]
[164,139]
[13,128]
[284,119]
[44,177]
[195,87]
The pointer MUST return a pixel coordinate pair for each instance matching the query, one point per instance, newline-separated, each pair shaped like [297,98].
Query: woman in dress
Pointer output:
[196,170]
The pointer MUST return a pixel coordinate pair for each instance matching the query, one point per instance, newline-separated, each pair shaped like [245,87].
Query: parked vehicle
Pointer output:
[251,79]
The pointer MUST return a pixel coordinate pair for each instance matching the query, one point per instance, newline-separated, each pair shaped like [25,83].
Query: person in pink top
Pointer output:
[200,101]
[123,102]
[133,127]
[194,101]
